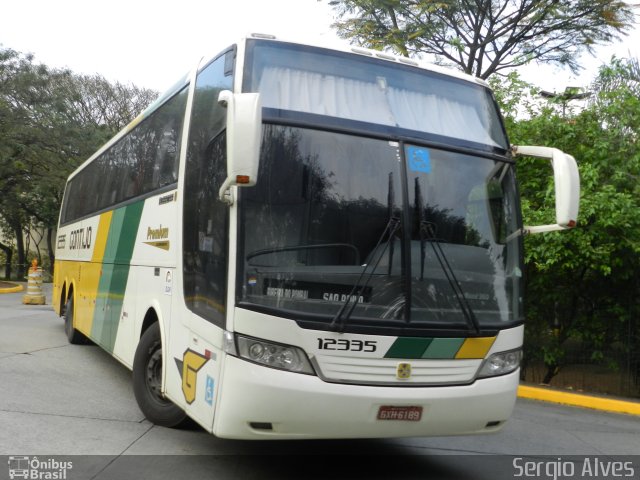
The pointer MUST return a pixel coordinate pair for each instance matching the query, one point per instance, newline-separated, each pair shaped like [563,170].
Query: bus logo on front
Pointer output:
[403,371]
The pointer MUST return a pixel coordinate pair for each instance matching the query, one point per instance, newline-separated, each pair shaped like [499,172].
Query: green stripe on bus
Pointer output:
[115,274]
[129,232]
[439,348]
[408,347]
[443,348]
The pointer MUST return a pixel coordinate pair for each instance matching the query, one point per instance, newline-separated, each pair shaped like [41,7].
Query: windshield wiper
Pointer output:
[470,317]
[339,320]
[428,234]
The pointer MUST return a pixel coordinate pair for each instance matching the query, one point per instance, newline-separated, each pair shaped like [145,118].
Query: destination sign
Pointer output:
[301,290]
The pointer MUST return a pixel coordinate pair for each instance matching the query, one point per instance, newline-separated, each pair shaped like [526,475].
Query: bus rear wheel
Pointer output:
[74,336]
[147,381]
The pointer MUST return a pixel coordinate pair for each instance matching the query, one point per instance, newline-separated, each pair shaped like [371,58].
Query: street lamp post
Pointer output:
[570,93]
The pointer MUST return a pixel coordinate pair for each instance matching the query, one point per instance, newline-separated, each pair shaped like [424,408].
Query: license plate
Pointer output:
[409,414]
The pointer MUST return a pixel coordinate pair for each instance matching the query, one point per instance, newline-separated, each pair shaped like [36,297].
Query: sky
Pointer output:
[152,43]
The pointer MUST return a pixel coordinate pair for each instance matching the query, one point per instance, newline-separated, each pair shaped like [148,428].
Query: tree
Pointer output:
[483,37]
[21,138]
[582,285]
[51,120]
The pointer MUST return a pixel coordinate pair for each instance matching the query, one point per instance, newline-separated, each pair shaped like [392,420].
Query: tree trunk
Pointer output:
[22,259]
[552,371]
[52,252]
[8,251]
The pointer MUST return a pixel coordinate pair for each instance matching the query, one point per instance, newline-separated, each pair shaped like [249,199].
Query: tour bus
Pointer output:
[302,242]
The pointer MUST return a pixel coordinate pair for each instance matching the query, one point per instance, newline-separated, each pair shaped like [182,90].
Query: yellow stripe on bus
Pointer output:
[91,273]
[475,347]
[103,234]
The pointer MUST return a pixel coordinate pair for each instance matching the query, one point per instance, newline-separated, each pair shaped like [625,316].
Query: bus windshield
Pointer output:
[356,88]
[317,224]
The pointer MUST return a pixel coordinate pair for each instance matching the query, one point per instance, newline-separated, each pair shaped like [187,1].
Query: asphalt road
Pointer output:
[63,402]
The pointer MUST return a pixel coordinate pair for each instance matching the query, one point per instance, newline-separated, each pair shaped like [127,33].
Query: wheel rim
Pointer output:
[153,375]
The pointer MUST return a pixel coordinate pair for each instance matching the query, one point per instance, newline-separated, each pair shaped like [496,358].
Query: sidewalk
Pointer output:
[527,391]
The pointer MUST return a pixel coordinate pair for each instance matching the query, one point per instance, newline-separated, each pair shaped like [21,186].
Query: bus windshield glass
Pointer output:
[332,84]
[317,224]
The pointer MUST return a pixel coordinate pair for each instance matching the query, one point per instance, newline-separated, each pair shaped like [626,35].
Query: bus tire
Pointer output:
[74,336]
[147,381]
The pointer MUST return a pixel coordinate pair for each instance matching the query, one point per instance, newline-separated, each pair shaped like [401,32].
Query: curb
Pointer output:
[578,400]
[15,289]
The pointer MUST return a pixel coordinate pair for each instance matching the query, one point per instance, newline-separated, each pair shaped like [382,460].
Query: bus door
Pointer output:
[205,233]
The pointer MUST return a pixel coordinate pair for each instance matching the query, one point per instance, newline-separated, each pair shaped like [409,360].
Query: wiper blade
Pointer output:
[427,233]
[339,320]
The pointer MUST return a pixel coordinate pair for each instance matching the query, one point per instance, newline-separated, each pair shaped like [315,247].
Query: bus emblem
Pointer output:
[403,371]
[158,237]
[191,363]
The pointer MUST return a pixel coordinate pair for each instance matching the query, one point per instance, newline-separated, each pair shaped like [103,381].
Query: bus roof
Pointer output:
[184,80]
[389,57]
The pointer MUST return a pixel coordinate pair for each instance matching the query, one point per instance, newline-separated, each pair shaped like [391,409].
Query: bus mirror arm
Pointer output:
[224,194]
[567,187]
[244,135]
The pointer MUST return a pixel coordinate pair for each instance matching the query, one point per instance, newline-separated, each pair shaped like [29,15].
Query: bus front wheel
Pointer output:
[147,381]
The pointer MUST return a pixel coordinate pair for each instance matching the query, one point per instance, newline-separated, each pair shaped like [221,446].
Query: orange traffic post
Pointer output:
[34,295]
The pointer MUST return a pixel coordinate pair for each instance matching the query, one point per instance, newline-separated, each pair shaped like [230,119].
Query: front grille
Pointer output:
[357,370]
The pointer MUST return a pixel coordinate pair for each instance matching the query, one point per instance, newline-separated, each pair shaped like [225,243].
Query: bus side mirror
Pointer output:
[567,186]
[244,135]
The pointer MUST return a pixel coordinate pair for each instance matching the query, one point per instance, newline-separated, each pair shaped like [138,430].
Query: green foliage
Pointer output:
[582,284]
[482,37]
[51,120]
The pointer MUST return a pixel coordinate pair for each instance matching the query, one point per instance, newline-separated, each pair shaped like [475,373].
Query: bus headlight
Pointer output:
[274,355]
[500,363]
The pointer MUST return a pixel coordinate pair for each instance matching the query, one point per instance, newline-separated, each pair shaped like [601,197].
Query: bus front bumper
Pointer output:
[257,402]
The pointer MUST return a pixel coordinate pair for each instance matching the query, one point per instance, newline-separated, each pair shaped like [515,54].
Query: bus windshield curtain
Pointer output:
[374,102]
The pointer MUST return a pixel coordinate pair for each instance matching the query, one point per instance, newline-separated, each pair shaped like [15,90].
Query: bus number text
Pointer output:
[345,345]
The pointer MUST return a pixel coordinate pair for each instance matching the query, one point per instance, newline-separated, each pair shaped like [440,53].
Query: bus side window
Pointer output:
[167,155]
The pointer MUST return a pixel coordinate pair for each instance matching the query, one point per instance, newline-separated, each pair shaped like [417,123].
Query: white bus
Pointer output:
[298,242]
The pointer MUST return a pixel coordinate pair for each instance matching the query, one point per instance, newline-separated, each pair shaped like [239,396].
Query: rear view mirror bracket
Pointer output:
[567,187]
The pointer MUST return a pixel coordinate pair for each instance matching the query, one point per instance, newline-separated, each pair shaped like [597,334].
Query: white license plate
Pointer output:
[408,414]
